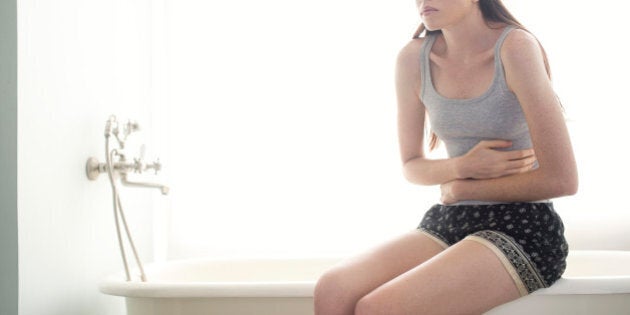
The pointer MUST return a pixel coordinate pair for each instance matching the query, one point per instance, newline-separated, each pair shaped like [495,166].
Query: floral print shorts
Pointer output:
[527,237]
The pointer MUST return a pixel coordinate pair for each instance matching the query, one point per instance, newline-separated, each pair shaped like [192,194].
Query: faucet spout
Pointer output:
[163,189]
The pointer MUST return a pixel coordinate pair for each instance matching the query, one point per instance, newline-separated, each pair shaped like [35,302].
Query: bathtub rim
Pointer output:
[117,286]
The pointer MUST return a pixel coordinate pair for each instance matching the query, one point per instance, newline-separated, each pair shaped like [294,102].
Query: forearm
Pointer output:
[530,186]
[423,171]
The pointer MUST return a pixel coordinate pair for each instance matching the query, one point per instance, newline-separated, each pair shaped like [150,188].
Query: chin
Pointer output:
[431,27]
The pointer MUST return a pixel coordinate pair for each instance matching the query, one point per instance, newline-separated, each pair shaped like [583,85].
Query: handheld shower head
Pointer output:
[109,126]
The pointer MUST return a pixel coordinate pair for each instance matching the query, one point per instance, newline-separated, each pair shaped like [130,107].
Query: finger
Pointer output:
[516,171]
[525,169]
[511,172]
[519,154]
[496,143]
[526,163]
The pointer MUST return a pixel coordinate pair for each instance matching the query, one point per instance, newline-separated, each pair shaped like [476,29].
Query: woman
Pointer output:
[483,81]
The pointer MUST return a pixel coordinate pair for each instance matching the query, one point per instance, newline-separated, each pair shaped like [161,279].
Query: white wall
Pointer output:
[284,136]
[79,62]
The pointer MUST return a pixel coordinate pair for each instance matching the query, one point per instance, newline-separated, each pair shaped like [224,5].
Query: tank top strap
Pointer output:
[498,64]
[425,52]
[425,73]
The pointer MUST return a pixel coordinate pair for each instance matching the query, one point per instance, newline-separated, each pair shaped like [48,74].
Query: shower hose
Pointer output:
[118,209]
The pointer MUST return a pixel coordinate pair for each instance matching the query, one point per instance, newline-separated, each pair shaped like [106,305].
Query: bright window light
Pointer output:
[282,120]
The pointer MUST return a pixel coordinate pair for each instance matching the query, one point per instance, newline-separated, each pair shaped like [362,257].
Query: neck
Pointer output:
[469,37]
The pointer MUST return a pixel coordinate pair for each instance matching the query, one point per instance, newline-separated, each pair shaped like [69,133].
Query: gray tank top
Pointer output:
[462,123]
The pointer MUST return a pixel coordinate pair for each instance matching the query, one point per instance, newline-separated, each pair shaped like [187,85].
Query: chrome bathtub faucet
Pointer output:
[117,166]
[123,166]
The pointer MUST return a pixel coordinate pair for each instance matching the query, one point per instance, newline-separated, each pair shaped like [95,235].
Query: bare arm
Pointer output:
[411,116]
[483,161]
[557,172]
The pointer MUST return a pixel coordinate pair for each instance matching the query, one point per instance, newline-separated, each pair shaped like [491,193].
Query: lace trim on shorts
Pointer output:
[435,237]
[518,264]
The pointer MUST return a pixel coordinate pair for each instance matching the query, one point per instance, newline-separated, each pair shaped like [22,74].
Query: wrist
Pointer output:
[460,167]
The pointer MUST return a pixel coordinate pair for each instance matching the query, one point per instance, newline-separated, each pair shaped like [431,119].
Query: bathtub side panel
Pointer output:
[575,304]
[220,306]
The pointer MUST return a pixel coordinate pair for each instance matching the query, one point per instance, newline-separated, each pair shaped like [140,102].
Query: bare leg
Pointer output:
[467,278]
[339,289]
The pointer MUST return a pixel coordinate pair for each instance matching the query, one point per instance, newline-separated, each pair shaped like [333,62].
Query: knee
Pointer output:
[371,305]
[331,295]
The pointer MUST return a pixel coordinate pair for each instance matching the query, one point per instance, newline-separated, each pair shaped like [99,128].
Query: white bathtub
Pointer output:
[595,282]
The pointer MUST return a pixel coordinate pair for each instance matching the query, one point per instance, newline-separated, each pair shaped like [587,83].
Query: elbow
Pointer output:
[572,186]
[408,174]
[411,174]
[565,184]
[567,188]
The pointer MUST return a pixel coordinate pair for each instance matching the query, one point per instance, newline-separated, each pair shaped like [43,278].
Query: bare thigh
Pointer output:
[340,288]
[467,278]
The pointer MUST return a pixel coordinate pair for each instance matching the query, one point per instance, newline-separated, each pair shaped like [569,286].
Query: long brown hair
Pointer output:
[492,11]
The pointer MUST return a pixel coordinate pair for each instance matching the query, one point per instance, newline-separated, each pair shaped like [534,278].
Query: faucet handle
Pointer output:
[139,165]
[156,166]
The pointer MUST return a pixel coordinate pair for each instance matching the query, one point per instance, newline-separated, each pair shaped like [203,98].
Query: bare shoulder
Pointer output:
[524,65]
[409,55]
[521,49]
